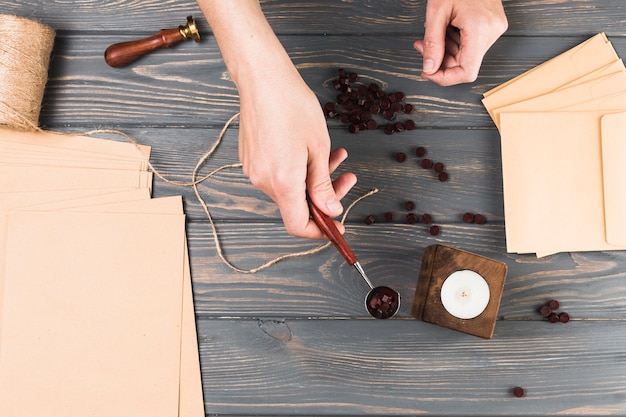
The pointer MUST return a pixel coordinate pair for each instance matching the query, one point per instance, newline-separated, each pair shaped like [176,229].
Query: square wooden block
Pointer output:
[439,262]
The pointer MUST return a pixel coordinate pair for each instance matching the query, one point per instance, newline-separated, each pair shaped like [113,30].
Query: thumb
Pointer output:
[433,46]
[320,188]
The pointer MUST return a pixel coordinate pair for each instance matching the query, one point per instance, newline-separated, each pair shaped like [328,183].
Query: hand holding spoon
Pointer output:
[381,302]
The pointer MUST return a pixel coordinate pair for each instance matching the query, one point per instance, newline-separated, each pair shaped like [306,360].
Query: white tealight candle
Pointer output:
[465,294]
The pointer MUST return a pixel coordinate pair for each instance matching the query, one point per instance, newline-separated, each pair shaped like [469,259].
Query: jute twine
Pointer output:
[196,180]
[25,47]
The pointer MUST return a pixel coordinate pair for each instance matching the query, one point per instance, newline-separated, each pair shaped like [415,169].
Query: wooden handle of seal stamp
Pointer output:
[122,54]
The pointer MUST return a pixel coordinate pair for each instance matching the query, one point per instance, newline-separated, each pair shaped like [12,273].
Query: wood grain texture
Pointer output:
[316,367]
[295,339]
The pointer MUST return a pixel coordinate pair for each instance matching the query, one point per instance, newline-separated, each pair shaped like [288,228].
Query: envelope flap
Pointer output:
[614,176]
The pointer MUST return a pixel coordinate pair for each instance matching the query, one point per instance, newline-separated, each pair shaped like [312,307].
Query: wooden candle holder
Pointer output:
[438,263]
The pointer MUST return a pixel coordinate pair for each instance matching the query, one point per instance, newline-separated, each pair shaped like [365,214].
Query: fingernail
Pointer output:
[429,65]
[334,205]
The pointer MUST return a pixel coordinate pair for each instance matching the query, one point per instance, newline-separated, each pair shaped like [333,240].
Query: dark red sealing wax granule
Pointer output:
[427,163]
[554,304]
[398,126]
[400,95]
[369,220]
[353,128]
[389,115]
[400,157]
[396,107]
[427,218]
[480,219]
[388,216]
[371,124]
[385,104]
[375,108]
[420,151]
[389,129]
[382,302]
[353,76]
[519,392]
[545,311]
[443,176]
[564,317]
[411,218]
[468,218]
[438,167]
[553,318]
[409,125]
[409,206]
[407,108]
[434,230]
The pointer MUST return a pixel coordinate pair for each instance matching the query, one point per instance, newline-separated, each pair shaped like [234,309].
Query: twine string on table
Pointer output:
[24,58]
[196,180]
[24,62]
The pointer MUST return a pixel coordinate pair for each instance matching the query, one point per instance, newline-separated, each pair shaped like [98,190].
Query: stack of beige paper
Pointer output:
[563,151]
[96,309]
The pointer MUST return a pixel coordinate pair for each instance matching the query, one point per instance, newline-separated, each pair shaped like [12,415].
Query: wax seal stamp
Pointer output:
[459,290]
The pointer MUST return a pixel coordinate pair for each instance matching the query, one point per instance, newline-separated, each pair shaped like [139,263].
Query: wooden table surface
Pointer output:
[295,339]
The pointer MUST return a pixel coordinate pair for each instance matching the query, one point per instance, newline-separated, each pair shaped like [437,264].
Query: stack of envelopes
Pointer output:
[562,127]
[96,309]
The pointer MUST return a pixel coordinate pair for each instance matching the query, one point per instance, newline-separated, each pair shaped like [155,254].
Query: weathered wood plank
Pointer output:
[589,285]
[321,17]
[335,367]
[189,85]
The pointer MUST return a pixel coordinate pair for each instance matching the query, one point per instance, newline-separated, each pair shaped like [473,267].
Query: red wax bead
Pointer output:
[480,219]
[427,163]
[427,218]
[411,218]
[545,311]
[468,218]
[353,128]
[373,87]
[385,104]
[400,95]
[396,107]
[518,392]
[553,317]
[389,114]
[336,84]
[362,90]
[389,129]
[409,205]
[398,126]
[400,157]
[409,125]
[353,76]
[443,176]
[420,151]
[438,167]
[554,304]
[388,216]
[371,124]
[341,72]
[392,97]
[434,230]
[375,108]
[369,219]
[408,108]
[563,317]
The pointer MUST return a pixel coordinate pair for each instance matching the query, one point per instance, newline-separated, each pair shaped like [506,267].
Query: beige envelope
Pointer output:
[579,61]
[554,195]
[614,176]
[592,91]
[80,333]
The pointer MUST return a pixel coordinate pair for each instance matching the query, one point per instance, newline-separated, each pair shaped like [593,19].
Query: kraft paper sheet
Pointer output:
[561,127]
[96,306]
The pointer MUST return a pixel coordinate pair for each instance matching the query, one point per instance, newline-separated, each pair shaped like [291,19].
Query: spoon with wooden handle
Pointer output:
[381,302]
[122,54]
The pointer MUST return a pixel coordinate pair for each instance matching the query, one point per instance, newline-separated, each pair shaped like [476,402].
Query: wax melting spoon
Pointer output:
[380,302]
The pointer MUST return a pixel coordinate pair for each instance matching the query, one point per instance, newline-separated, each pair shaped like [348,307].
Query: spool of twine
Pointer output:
[25,47]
